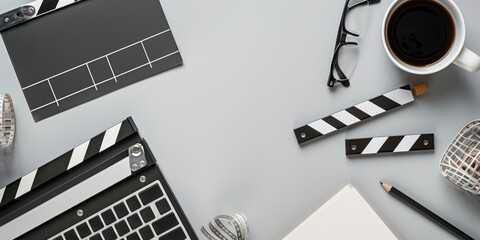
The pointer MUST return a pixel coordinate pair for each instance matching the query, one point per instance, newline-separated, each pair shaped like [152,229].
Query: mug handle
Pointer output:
[468,60]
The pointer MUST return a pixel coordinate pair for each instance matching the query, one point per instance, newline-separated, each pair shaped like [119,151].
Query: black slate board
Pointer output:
[89,49]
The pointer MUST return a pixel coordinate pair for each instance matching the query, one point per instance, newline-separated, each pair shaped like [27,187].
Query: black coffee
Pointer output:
[420,32]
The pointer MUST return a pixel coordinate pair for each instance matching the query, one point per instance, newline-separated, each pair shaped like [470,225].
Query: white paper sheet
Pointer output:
[345,216]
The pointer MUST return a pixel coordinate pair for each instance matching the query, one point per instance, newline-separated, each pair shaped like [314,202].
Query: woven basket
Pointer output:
[461,161]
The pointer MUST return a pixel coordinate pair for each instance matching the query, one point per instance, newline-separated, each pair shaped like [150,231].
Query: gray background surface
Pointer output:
[221,126]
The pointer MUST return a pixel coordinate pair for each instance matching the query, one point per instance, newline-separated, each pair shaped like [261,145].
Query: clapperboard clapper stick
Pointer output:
[358,113]
[31,10]
[389,144]
[81,153]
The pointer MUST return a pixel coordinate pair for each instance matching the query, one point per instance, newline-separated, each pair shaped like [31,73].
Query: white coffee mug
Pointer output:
[457,54]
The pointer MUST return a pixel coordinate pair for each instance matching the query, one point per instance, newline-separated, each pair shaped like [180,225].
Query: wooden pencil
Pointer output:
[434,217]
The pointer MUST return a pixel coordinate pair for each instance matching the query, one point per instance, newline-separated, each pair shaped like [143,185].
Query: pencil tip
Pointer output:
[387,187]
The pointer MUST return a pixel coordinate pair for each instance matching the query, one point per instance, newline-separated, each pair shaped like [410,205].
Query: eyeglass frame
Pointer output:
[340,42]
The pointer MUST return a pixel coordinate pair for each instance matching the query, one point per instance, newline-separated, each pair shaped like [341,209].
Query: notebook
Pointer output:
[345,216]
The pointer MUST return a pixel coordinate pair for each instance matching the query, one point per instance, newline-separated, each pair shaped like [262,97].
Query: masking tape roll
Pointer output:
[7,120]
[225,227]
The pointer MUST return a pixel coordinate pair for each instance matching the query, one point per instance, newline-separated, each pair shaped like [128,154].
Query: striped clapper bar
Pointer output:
[67,161]
[31,10]
[391,144]
[355,114]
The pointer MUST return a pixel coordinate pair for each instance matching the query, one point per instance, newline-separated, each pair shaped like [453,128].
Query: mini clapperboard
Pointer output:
[107,188]
[85,50]
[359,113]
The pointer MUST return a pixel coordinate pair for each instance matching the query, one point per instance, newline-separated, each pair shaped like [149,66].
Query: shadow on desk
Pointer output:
[6,161]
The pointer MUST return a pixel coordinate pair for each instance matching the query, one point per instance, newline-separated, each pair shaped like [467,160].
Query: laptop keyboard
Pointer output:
[145,214]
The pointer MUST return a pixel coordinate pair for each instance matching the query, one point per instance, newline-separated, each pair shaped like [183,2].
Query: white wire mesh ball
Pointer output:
[461,161]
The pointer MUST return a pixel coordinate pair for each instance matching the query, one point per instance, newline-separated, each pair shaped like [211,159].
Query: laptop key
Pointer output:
[96,223]
[109,234]
[71,235]
[133,203]
[146,233]
[121,210]
[150,194]
[96,237]
[162,206]
[58,238]
[134,221]
[108,217]
[176,234]
[83,230]
[165,223]
[122,228]
[147,214]
[133,236]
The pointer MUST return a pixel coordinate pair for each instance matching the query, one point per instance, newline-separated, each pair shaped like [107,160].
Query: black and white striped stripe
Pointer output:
[30,11]
[390,144]
[51,5]
[355,114]
[45,6]
[67,161]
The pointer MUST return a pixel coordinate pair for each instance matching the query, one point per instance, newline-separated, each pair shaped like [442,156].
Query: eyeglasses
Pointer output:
[346,53]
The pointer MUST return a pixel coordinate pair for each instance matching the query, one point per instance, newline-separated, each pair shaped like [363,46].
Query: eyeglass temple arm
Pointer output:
[362,3]
[373,1]
[347,8]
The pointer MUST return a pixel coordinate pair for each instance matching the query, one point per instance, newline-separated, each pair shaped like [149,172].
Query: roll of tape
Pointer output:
[225,227]
[7,120]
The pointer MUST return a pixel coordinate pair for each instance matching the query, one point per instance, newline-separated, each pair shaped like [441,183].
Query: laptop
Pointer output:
[108,187]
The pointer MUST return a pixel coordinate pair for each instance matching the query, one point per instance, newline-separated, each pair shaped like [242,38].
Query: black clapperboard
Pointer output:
[88,49]
[96,187]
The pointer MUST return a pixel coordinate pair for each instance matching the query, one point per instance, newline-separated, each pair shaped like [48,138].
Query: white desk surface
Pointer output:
[221,126]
